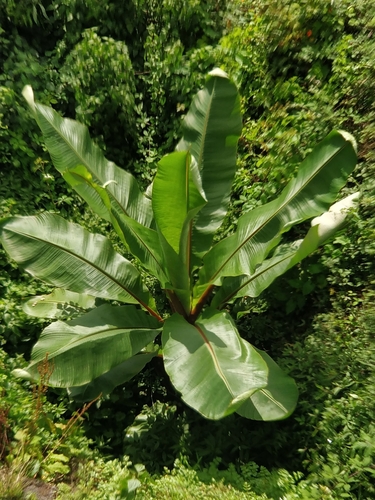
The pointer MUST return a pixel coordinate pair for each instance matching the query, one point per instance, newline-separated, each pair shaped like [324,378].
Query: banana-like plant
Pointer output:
[171,234]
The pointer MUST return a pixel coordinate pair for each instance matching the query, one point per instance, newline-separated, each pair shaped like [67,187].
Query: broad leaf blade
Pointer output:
[70,146]
[59,304]
[241,286]
[170,196]
[274,402]
[66,255]
[321,175]
[142,241]
[144,244]
[286,256]
[175,198]
[210,133]
[209,363]
[81,350]
[179,280]
[175,201]
[118,375]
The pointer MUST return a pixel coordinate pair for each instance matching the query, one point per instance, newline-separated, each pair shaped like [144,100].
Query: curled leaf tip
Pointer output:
[28,94]
[348,137]
[109,182]
[218,72]
[20,373]
[333,220]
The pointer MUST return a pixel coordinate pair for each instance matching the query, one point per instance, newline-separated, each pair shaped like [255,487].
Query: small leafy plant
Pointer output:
[170,232]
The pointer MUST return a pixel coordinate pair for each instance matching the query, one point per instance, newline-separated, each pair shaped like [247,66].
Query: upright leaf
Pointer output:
[179,280]
[143,243]
[210,133]
[71,147]
[66,255]
[175,200]
[209,363]
[81,350]
[320,177]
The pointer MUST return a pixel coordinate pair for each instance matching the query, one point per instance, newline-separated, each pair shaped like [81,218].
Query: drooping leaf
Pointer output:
[83,349]
[211,130]
[66,255]
[209,363]
[274,402]
[320,177]
[58,304]
[118,375]
[286,256]
[71,147]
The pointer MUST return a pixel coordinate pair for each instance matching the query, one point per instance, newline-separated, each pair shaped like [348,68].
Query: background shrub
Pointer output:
[302,70]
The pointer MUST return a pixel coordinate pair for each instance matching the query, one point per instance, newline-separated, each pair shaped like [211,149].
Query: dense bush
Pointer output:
[303,69]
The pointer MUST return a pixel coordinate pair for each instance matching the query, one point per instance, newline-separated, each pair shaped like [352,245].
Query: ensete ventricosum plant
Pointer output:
[171,234]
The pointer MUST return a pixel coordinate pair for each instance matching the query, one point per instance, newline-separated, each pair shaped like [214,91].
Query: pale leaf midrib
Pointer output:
[64,250]
[255,275]
[214,359]
[82,339]
[274,214]
[268,395]
[84,162]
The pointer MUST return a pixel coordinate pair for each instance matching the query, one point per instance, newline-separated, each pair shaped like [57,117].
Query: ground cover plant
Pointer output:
[170,231]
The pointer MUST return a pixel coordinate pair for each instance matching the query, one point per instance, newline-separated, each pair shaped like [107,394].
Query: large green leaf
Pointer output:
[320,177]
[118,375]
[274,402]
[285,256]
[71,147]
[66,255]
[143,242]
[178,286]
[209,363]
[83,349]
[175,201]
[59,304]
[210,133]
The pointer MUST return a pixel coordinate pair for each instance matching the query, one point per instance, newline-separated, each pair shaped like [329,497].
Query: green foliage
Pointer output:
[157,435]
[251,483]
[182,483]
[99,72]
[190,196]
[295,87]
[101,479]
[36,440]
[340,450]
